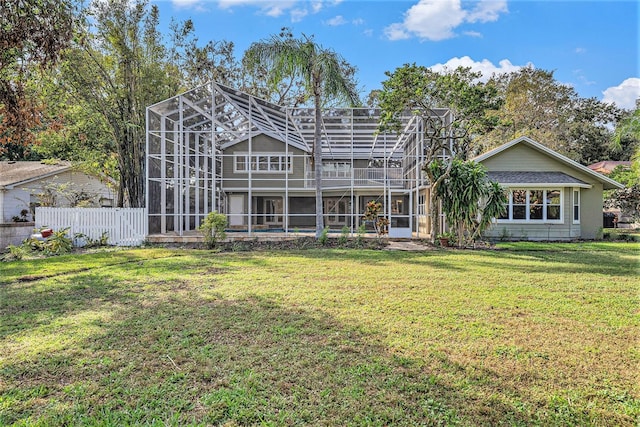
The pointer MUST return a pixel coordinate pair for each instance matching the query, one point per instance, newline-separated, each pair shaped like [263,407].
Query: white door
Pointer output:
[236,208]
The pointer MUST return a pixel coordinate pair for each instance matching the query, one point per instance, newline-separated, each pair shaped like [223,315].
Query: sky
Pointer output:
[590,45]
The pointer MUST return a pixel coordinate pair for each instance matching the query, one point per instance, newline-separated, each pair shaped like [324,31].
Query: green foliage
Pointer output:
[360,232]
[423,91]
[33,35]
[469,200]
[213,228]
[101,241]
[324,236]
[344,235]
[57,243]
[535,104]
[16,253]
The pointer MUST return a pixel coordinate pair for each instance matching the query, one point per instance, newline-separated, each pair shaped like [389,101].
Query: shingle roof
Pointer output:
[608,183]
[12,173]
[513,177]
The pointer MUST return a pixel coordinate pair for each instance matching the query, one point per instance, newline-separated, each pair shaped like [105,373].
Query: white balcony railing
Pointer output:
[362,177]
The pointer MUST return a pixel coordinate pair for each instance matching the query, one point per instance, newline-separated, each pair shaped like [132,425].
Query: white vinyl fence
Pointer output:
[124,226]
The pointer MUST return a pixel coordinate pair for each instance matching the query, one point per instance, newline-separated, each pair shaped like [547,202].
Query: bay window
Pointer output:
[534,205]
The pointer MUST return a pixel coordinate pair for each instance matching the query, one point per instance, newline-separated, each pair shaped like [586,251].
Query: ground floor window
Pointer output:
[544,205]
[576,206]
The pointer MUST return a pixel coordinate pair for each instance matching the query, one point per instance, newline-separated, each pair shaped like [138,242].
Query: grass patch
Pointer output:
[530,335]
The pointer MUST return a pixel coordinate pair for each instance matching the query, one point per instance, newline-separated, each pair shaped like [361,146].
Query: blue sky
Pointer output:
[590,45]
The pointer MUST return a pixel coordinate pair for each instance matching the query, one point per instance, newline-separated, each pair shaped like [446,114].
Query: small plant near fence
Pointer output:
[212,228]
[54,243]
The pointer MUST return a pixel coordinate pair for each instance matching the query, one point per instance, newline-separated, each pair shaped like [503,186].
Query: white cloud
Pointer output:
[197,5]
[487,11]
[298,14]
[473,34]
[580,50]
[625,94]
[437,19]
[184,3]
[273,8]
[486,67]
[336,21]
[358,21]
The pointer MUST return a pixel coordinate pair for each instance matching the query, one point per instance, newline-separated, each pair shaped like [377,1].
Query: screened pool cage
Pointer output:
[214,148]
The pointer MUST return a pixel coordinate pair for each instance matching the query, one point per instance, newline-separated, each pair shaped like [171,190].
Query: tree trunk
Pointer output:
[317,164]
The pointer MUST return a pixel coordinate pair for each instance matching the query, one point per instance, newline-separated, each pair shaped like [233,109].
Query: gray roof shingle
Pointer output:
[12,173]
[513,177]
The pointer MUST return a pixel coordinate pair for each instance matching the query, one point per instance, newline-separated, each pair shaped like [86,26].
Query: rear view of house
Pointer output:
[216,148]
[219,149]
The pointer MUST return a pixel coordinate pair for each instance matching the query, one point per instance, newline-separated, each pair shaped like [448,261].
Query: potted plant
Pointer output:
[446,239]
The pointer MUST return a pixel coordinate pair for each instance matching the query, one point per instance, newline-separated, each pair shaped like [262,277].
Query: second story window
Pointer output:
[263,163]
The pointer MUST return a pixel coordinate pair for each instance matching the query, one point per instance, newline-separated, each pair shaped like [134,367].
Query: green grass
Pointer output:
[534,334]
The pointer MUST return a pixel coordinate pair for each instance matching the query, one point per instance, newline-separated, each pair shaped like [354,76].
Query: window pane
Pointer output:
[535,212]
[519,204]
[241,163]
[274,163]
[519,212]
[553,212]
[519,197]
[536,199]
[553,197]
[576,213]
[262,163]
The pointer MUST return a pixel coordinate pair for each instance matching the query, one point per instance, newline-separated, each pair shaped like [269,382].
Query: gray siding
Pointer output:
[263,144]
[521,157]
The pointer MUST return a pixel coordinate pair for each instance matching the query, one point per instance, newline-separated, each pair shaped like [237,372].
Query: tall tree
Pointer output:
[326,75]
[34,32]
[535,104]
[258,80]
[422,92]
[121,64]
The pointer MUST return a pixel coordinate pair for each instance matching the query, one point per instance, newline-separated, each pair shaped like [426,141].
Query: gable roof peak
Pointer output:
[609,183]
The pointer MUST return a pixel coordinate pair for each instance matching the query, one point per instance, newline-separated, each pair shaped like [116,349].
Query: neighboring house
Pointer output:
[216,148]
[607,166]
[551,197]
[25,185]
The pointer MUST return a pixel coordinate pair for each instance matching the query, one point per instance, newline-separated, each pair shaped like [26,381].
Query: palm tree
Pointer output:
[324,73]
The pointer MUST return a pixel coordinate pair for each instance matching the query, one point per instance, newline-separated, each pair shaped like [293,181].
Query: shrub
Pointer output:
[58,243]
[213,228]
[324,236]
[344,235]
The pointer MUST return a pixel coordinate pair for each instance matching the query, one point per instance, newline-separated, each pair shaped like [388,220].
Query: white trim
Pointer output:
[521,185]
[248,162]
[536,145]
[575,191]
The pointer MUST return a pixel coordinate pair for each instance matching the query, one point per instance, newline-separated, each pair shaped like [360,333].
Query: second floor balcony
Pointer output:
[359,178]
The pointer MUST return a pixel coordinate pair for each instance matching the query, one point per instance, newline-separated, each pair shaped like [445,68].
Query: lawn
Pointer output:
[530,335]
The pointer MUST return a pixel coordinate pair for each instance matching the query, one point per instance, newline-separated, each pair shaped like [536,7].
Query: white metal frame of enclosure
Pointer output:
[188,136]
